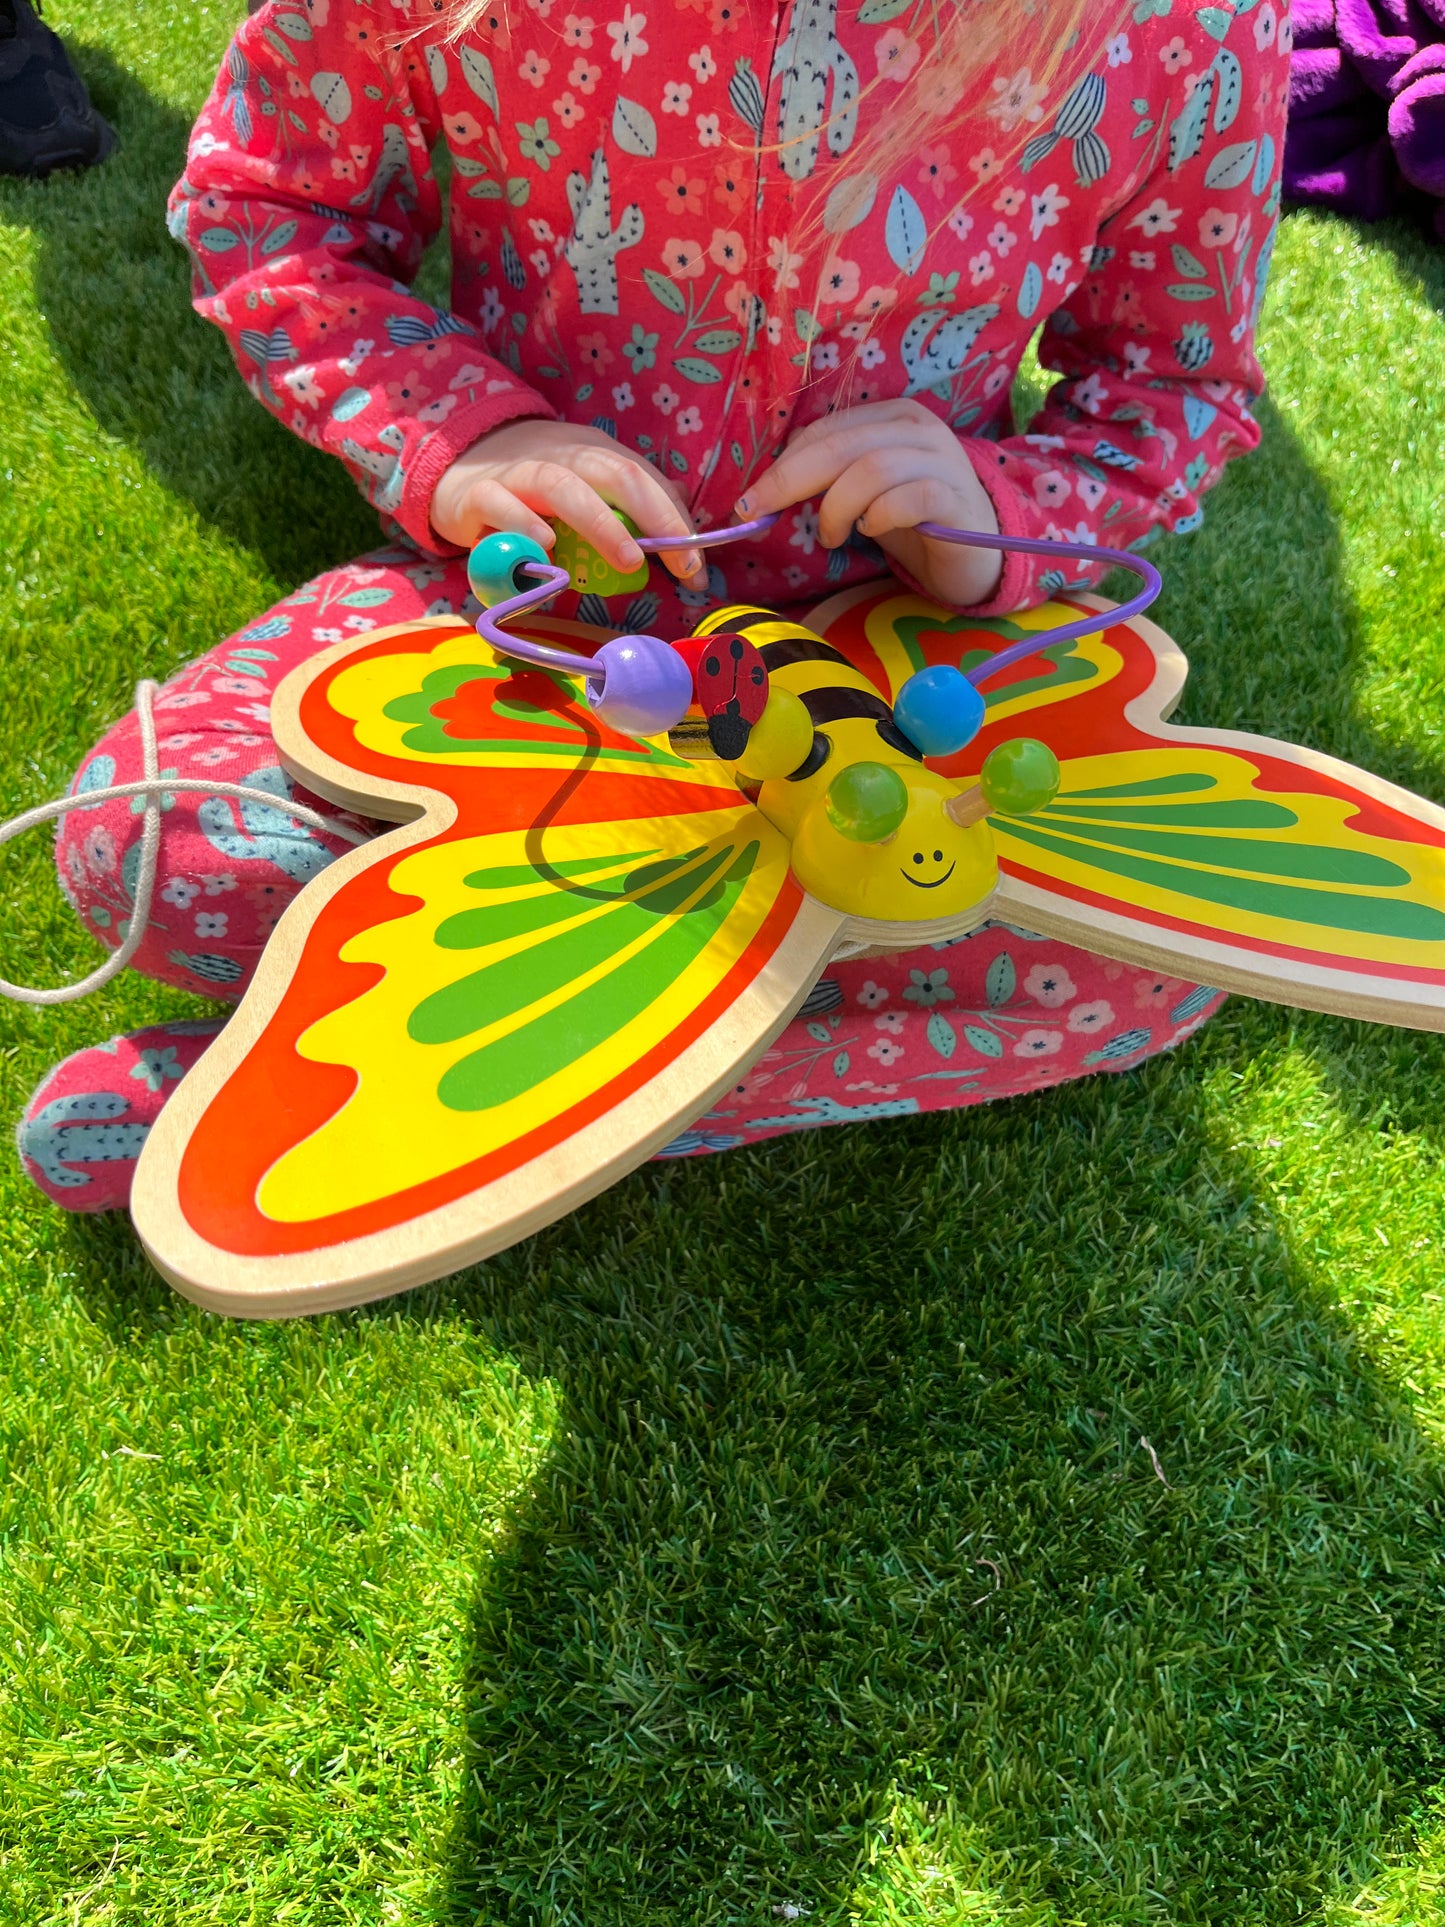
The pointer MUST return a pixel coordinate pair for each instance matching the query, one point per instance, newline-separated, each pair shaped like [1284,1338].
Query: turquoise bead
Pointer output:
[1019,776]
[867,802]
[496,566]
[939,710]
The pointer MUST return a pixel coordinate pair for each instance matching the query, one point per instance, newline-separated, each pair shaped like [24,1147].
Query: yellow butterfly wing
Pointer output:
[467,1027]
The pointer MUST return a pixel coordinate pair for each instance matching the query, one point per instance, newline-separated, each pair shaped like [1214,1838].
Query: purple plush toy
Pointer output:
[1367,106]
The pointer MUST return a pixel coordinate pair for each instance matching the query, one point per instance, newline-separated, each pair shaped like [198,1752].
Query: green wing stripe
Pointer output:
[1244,813]
[429,736]
[502,988]
[1392,917]
[1064,668]
[516,876]
[1316,862]
[1180,785]
[516,1063]
[542,905]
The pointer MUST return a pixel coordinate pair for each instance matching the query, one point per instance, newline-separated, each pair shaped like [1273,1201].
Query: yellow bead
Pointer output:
[780,739]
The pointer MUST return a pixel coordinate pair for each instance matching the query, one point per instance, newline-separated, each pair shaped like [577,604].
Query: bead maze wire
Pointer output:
[153,788]
[551,580]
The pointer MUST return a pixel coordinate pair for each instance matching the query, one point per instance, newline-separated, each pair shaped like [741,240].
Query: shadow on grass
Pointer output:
[849,1580]
[851,1546]
[114,290]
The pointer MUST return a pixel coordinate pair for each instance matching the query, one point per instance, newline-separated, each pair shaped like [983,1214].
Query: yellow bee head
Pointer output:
[875,833]
[915,868]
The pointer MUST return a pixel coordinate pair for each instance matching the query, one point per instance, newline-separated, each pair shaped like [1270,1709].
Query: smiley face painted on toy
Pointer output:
[869,824]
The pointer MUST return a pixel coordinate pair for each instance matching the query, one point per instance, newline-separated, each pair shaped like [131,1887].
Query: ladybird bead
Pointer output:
[939,710]
[497,567]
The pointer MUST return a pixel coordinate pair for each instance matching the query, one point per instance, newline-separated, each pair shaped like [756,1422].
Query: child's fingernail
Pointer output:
[632,556]
[743,505]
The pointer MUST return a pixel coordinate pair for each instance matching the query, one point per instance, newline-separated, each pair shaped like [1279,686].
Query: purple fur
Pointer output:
[1367,106]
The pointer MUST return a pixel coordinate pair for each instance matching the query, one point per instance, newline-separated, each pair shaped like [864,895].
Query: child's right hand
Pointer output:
[526,470]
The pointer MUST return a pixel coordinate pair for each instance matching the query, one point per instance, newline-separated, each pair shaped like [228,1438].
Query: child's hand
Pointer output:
[883,467]
[526,470]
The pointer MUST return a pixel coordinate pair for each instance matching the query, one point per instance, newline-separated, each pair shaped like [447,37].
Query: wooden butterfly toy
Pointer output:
[620,866]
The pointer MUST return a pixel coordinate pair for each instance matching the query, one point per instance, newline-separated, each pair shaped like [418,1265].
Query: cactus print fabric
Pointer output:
[629,185]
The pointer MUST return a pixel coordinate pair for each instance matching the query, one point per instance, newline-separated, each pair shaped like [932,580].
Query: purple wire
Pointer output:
[1066,631]
[551,580]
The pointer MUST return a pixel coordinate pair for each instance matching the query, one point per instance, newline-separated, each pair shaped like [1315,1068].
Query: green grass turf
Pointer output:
[777,1531]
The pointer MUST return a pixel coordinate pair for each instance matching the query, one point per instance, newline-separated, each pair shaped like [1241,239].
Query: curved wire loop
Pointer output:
[551,581]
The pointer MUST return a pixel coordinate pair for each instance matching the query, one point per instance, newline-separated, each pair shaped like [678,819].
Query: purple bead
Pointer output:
[646,687]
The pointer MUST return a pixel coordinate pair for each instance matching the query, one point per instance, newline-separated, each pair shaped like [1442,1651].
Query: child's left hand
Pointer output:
[883,467]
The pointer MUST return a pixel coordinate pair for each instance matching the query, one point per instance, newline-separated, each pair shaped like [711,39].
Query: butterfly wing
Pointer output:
[474,1023]
[1259,865]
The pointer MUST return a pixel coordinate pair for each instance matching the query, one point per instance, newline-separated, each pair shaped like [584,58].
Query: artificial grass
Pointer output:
[775,1534]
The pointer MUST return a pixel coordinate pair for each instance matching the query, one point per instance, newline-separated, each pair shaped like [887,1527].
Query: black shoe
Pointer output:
[46,119]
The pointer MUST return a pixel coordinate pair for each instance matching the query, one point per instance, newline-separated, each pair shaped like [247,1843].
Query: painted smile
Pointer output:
[937,882]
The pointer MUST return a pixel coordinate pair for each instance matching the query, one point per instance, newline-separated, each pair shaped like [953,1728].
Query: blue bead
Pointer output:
[939,710]
[495,567]
[646,687]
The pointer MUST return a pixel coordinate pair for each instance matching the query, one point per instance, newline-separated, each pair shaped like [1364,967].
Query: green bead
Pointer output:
[1019,776]
[866,802]
[591,573]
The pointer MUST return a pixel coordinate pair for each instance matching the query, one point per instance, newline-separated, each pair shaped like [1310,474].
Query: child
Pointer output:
[707,259]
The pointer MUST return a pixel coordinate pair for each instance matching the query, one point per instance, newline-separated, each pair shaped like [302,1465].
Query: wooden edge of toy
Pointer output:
[300,757]
[1297,982]
[1337,993]
[1247,743]
[334,1277]
[337,1277]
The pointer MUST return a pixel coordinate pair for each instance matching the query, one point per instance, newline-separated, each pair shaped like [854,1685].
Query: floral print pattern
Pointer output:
[661,226]
[996,1014]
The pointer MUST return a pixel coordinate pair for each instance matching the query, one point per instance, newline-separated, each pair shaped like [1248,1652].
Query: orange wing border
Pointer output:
[485,1219]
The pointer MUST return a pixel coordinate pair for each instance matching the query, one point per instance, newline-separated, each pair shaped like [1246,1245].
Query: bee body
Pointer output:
[930,867]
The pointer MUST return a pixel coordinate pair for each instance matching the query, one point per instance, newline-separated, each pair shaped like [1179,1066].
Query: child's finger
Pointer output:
[807,468]
[864,413]
[921,498]
[640,493]
[560,491]
[488,504]
[875,477]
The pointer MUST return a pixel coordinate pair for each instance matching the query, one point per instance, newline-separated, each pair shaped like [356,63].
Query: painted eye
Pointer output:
[712,666]
[918,856]
[938,856]
[758,674]
[735,650]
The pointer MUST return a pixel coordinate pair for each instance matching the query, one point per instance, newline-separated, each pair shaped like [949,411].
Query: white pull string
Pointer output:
[152,786]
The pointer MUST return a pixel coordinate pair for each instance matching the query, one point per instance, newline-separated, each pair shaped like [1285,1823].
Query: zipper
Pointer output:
[749,324]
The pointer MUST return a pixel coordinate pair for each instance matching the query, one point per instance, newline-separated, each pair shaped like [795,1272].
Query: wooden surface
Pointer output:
[382,1109]
[1278,860]
[316,1075]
